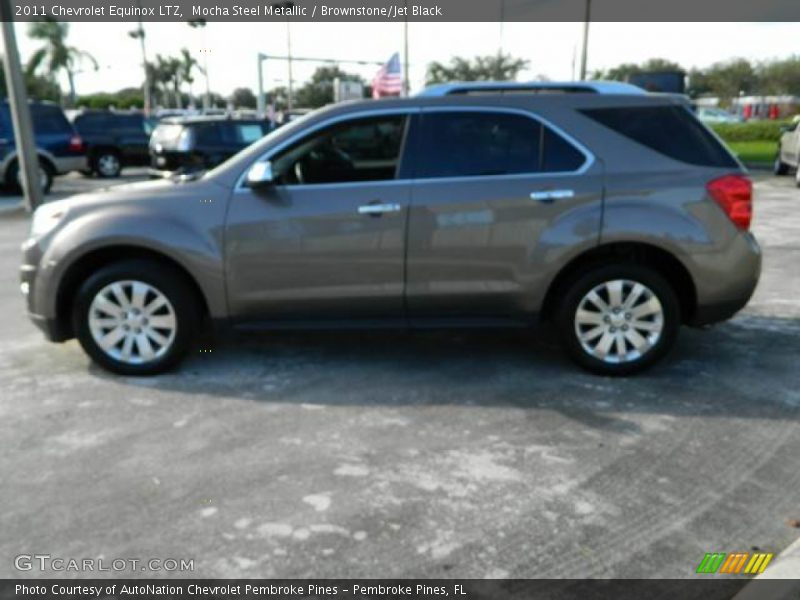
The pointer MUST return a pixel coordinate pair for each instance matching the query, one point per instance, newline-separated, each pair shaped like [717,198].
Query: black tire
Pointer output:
[12,177]
[107,164]
[166,280]
[573,294]
[779,167]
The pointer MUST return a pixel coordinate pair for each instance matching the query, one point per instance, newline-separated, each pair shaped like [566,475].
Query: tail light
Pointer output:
[75,144]
[734,194]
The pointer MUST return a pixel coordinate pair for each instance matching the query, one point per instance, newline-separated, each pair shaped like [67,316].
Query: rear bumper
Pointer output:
[735,275]
[65,164]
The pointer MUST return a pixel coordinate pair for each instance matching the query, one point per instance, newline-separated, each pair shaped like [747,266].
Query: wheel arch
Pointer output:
[97,258]
[663,261]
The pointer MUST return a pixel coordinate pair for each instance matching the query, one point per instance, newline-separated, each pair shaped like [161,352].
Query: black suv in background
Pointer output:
[115,139]
[189,144]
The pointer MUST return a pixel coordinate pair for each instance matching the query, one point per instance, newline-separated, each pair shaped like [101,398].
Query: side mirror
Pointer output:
[260,174]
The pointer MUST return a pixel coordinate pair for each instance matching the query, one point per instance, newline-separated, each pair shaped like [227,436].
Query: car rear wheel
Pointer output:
[14,177]
[107,164]
[618,320]
[135,317]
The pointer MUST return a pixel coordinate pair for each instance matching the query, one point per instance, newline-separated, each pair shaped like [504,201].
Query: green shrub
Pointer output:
[752,131]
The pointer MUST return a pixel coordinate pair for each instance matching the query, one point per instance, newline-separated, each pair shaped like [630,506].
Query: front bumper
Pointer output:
[30,284]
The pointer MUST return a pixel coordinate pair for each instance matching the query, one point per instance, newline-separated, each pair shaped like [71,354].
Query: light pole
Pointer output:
[585,49]
[20,113]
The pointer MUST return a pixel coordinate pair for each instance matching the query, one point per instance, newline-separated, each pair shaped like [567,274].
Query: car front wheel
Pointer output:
[135,317]
[618,320]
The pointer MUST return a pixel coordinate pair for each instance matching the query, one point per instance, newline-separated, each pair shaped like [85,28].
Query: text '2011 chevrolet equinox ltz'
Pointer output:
[613,213]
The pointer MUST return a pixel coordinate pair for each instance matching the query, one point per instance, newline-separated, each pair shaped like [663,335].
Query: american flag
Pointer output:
[388,80]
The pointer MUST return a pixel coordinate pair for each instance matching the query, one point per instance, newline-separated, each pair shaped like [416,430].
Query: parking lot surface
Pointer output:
[410,455]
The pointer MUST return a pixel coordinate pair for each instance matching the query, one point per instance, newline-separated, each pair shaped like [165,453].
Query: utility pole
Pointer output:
[260,103]
[585,50]
[20,112]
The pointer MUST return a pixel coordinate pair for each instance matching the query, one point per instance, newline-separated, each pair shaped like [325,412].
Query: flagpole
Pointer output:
[406,84]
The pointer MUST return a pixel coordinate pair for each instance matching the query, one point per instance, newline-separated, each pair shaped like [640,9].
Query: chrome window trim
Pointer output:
[587,164]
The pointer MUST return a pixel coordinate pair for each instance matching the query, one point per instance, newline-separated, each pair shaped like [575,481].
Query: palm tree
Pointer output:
[56,55]
[188,64]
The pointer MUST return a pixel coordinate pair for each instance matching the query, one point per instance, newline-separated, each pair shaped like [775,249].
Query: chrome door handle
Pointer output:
[378,209]
[550,195]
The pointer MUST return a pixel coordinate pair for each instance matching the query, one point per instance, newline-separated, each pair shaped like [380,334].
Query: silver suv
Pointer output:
[616,216]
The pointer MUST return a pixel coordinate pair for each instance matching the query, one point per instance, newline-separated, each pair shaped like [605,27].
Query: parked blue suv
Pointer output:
[59,147]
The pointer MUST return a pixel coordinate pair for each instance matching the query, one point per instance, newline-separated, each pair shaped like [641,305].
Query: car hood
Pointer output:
[158,190]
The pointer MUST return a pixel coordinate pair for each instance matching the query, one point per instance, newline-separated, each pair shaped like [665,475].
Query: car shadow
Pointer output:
[747,367]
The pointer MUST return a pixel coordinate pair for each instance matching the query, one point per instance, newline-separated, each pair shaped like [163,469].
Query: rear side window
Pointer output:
[473,144]
[670,130]
[49,119]
[247,133]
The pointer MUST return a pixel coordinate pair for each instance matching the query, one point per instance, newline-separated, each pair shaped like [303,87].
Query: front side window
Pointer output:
[474,144]
[366,149]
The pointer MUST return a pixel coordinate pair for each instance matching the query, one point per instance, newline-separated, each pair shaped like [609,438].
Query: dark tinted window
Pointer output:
[670,130]
[358,150]
[209,134]
[465,144]
[91,122]
[49,119]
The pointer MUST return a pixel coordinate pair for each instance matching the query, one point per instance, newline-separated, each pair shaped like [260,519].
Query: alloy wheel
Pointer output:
[132,322]
[108,165]
[619,321]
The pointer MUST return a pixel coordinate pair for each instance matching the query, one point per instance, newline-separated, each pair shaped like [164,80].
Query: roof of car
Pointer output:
[501,87]
[198,119]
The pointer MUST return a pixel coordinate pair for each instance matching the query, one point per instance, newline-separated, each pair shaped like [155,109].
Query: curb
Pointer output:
[785,569]
[786,565]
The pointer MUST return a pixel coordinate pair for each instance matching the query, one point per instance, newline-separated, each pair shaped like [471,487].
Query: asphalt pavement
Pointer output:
[442,454]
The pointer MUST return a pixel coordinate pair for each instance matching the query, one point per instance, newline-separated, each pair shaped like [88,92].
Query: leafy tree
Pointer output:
[497,67]
[781,76]
[56,55]
[243,98]
[38,87]
[624,71]
[725,79]
[319,90]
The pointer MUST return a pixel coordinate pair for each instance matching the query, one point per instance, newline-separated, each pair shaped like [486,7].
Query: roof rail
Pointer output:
[532,87]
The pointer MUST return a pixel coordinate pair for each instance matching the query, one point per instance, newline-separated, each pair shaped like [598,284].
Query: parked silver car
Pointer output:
[788,156]
[616,216]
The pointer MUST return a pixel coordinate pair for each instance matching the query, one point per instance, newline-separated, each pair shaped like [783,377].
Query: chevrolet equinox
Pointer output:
[610,212]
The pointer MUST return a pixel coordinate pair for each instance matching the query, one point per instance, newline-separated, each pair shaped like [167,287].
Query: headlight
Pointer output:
[185,140]
[46,217]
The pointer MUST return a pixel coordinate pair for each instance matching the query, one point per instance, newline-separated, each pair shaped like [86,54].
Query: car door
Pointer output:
[498,195]
[326,240]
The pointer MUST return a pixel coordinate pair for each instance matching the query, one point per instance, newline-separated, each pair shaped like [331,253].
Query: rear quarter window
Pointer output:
[670,130]
[49,120]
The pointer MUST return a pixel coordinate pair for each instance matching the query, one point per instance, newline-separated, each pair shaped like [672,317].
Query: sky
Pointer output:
[552,49]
